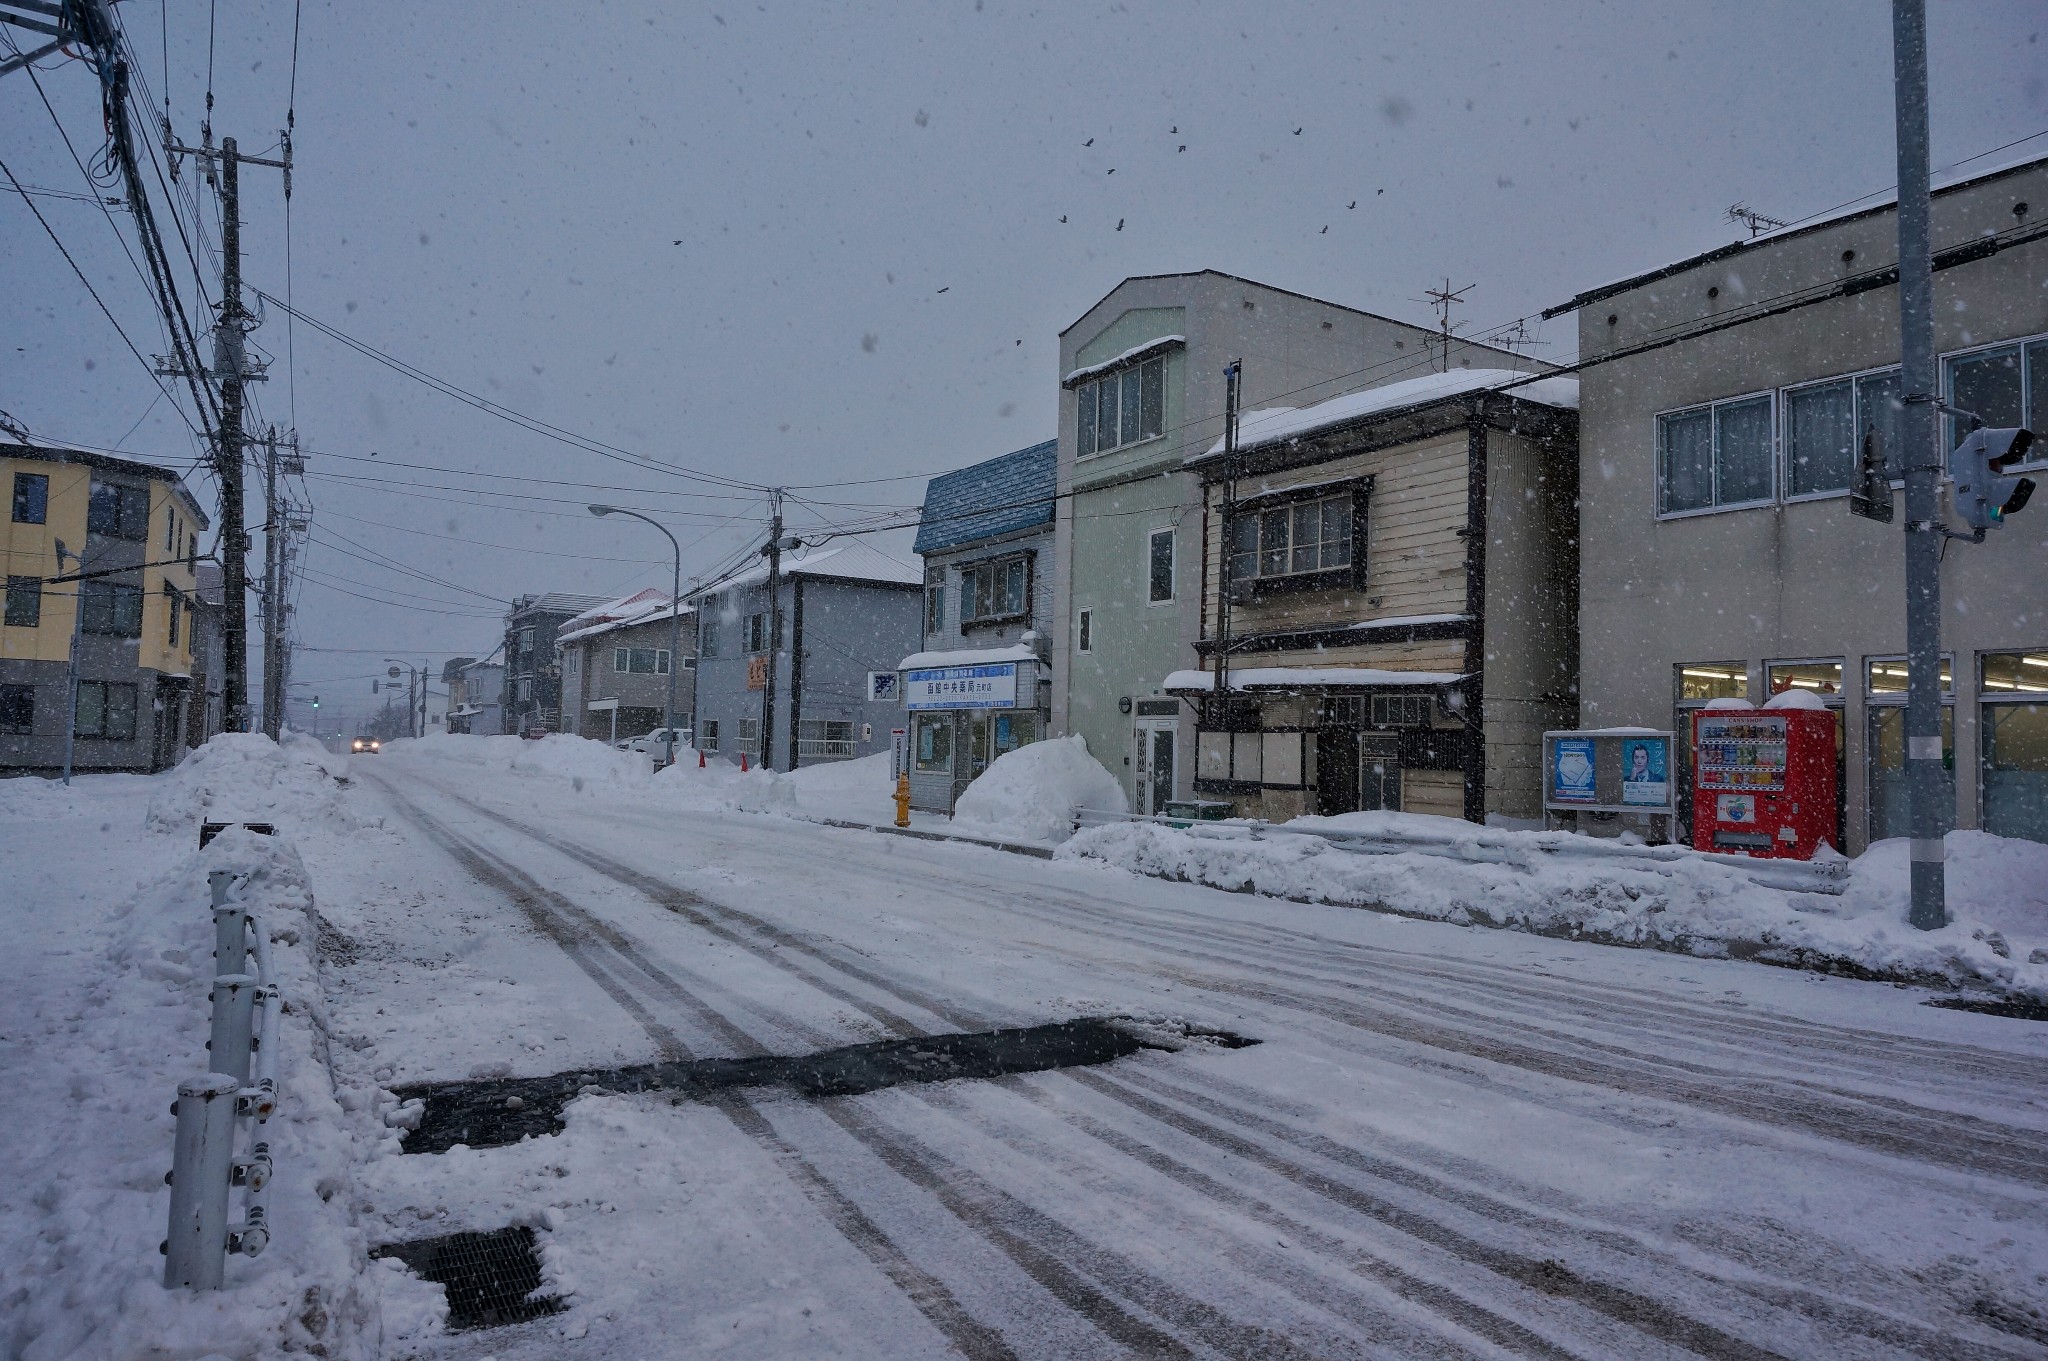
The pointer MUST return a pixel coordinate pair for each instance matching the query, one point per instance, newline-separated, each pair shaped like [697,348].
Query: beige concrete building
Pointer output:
[1389,592]
[1724,401]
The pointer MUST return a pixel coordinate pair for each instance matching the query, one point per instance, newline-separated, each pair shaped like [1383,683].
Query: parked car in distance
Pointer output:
[533,734]
[364,746]
[653,743]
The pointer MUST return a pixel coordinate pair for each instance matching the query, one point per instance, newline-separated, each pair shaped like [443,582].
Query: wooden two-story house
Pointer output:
[1390,600]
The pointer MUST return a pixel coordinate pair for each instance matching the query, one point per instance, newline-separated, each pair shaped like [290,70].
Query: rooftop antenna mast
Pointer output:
[1758,223]
[1443,299]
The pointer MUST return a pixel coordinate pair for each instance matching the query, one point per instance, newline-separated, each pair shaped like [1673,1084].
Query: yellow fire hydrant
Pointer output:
[903,799]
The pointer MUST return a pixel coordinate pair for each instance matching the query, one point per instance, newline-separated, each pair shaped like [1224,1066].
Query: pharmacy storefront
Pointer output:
[965,709]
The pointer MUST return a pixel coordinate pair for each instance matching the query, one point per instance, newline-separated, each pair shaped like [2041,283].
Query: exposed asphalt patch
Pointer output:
[492,1278]
[488,1112]
[2018,1011]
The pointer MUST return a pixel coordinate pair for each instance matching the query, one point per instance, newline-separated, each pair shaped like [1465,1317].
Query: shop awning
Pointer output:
[970,656]
[1250,678]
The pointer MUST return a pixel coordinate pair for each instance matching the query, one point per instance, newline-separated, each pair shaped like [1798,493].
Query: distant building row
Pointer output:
[1417,558]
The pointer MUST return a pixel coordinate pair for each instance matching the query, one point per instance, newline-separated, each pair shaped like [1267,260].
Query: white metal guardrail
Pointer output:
[1483,846]
[213,1110]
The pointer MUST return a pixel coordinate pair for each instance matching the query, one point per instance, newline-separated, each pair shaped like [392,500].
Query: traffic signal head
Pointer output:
[316,701]
[1984,494]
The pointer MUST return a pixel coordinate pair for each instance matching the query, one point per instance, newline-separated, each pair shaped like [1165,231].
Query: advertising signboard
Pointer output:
[1645,771]
[962,687]
[1571,771]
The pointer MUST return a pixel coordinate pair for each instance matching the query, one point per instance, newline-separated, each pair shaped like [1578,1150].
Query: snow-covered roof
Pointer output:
[1157,345]
[971,656]
[1943,181]
[1272,424]
[1304,677]
[1001,496]
[626,611]
[553,602]
[851,560]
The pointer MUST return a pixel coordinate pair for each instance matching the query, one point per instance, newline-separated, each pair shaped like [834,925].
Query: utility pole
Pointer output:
[1233,374]
[774,628]
[1919,432]
[273,609]
[232,370]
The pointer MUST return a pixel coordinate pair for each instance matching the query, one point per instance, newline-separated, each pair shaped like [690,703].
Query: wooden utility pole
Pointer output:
[229,353]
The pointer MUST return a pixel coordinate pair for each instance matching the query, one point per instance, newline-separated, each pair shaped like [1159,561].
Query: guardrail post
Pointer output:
[230,926]
[202,1161]
[234,1015]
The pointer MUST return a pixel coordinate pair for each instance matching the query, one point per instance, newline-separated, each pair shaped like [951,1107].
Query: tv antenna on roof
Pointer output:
[1758,223]
[1442,299]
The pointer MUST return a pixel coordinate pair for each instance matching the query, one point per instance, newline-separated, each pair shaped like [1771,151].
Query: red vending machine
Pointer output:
[1763,781]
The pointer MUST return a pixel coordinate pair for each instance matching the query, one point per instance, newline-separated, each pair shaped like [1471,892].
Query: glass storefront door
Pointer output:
[1379,774]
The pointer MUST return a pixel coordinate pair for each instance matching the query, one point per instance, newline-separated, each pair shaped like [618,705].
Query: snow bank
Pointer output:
[1030,794]
[81,1236]
[246,777]
[1997,942]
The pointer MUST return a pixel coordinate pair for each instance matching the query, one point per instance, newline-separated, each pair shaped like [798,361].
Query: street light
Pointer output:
[675,615]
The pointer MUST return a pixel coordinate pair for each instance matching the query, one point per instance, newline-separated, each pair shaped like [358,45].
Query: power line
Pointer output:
[505,413]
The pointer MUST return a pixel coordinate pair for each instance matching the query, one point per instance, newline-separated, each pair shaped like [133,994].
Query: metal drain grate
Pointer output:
[491,1278]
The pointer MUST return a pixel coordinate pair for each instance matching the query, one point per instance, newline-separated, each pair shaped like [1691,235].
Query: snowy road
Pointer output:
[1446,1142]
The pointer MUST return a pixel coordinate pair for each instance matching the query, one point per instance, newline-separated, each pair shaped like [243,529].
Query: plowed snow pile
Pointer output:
[1030,794]
[295,785]
[1997,939]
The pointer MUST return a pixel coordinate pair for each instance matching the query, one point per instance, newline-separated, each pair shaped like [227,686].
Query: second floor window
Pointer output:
[31,498]
[1159,567]
[757,632]
[994,591]
[1121,408]
[1714,455]
[171,603]
[111,608]
[24,602]
[1825,424]
[707,636]
[1294,540]
[2006,385]
[651,661]
[118,512]
[935,601]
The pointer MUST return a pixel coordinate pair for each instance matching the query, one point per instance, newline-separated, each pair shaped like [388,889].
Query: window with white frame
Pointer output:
[757,632]
[935,600]
[995,591]
[1825,426]
[2006,385]
[1121,408]
[651,661]
[824,737]
[1715,455]
[1291,540]
[2013,704]
[707,735]
[750,736]
[1400,711]
[1159,566]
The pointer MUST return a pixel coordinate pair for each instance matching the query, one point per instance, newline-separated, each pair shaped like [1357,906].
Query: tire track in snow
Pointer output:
[1623,1306]
[966,1197]
[549,913]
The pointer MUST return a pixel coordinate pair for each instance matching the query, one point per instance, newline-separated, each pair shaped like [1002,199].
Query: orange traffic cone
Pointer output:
[700,760]
[743,763]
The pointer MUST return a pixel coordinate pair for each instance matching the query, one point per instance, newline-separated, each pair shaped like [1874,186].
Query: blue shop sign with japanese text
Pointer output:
[962,687]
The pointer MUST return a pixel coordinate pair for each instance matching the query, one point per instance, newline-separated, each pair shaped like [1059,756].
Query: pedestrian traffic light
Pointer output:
[316,701]
[1984,494]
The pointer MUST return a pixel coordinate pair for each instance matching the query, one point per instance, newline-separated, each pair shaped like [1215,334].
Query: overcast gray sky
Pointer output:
[716,234]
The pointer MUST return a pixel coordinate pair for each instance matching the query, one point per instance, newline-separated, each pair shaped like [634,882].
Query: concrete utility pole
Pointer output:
[1919,432]
[231,368]
[1233,374]
[273,608]
[774,628]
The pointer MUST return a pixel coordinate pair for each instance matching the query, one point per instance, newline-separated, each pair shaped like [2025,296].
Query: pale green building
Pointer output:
[1142,390]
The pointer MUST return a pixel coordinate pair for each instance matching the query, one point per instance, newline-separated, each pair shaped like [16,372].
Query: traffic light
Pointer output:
[316,701]
[1984,495]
